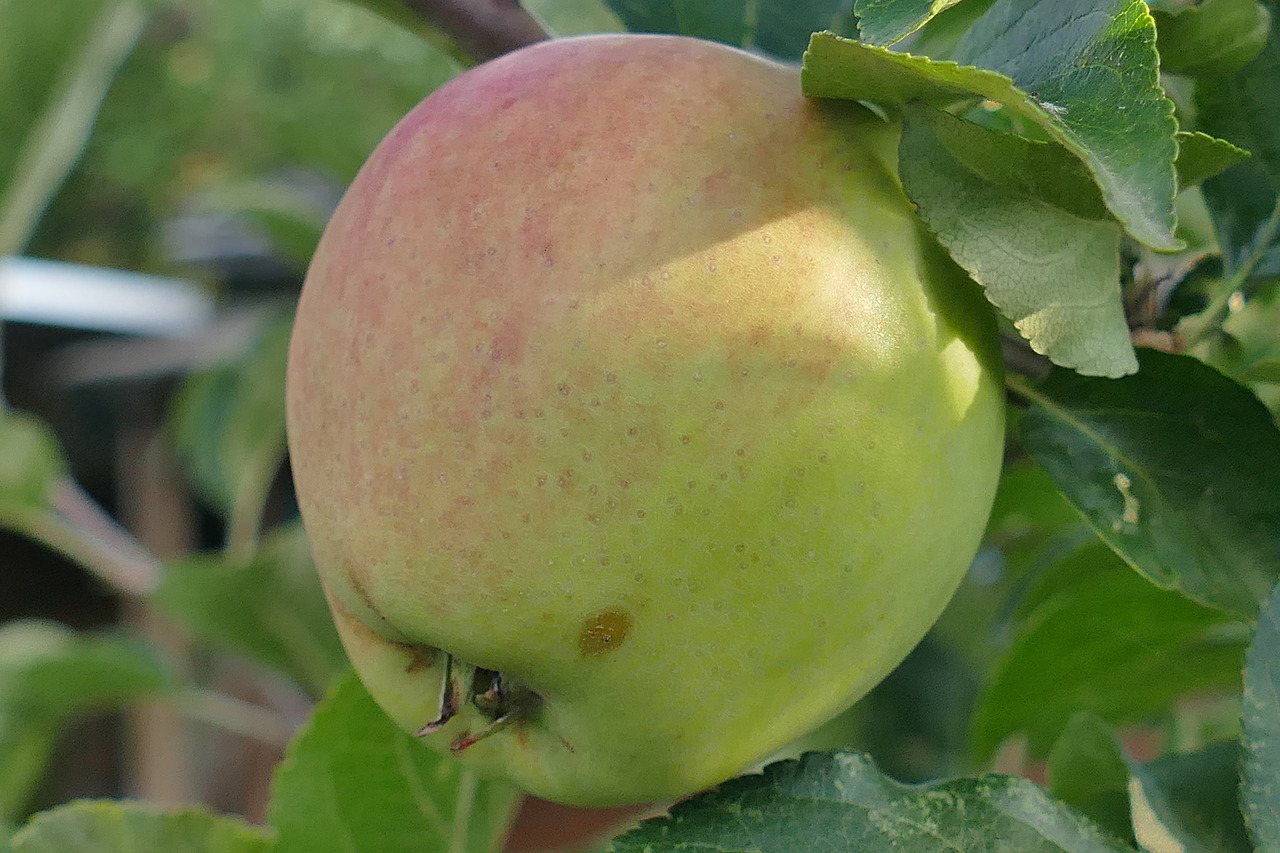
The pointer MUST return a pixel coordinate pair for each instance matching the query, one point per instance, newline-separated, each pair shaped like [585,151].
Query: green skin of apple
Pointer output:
[627,371]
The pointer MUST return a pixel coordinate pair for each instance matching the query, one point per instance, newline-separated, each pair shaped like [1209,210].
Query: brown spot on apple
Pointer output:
[420,657]
[604,632]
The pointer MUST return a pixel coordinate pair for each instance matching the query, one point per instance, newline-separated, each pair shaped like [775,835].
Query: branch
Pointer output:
[485,29]
[84,532]
[233,714]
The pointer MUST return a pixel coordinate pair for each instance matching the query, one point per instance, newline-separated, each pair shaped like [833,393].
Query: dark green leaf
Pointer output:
[271,608]
[1030,515]
[1202,788]
[125,827]
[1243,201]
[715,20]
[1088,771]
[354,781]
[1260,792]
[1177,468]
[1027,223]
[1097,637]
[783,27]
[778,27]
[1242,108]
[832,803]
[1201,157]
[1215,37]
[1030,528]
[883,22]
[1250,348]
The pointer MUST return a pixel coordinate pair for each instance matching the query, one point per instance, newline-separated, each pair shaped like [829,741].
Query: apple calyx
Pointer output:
[491,693]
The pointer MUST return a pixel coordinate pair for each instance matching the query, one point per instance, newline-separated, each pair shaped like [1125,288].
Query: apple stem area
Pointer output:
[491,693]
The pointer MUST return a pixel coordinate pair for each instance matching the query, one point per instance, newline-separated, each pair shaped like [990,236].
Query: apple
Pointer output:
[637,424]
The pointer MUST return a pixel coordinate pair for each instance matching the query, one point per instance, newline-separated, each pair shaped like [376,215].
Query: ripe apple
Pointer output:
[637,424]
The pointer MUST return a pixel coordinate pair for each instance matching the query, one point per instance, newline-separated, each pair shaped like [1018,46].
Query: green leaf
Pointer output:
[49,674]
[840,802]
[1085,71]
[778,27]
[1087,770]
[1092,64]
[1201,787]
[1201,157]
[352,780]
[1026,222]
[128,827]
[1262,370]
[1177,468]
[884,22]
[1260,791]
[938,37]
[1214,37]
[26,749]
[1090,770]
[783,27]
[228,425]
[1242,108]
[715,20]
[1097,637]
[31,464]
[51,671]
[1253,354]
[271,608]
[1028,513]
[1032,528]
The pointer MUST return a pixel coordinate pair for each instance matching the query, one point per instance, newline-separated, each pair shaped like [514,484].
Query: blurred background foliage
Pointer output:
[217,95]
[208,140]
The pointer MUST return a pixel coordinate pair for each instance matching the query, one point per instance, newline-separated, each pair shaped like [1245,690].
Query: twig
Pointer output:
[483,28]
[1197,328]
[84,532]
[232,714]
